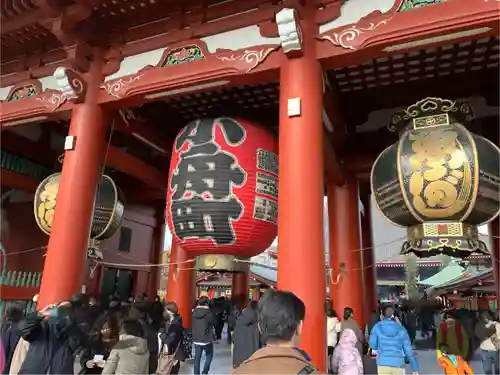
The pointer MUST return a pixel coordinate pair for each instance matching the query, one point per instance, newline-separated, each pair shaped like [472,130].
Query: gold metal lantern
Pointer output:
[440,181]
[108,210]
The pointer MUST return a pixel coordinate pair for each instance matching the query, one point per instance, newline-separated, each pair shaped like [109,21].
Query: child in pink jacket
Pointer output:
[346,359]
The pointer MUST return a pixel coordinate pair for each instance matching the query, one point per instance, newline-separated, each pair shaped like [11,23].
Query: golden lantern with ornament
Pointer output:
[108,210]
[440,181]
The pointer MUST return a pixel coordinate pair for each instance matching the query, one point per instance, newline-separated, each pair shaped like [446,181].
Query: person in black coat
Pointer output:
[203,335]
[172,335]
[54,339]
[11,333]
[246,337]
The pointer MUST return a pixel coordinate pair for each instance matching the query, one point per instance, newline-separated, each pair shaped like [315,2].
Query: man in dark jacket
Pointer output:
[246,338]
[203,335]
[54,338]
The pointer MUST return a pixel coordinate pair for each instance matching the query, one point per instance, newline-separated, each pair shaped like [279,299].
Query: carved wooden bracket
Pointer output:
[72,88]
[289,31]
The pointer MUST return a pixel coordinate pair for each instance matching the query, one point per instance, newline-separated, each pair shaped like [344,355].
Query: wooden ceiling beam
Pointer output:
[22,21]
[27,148]
[136,168]
[127,121]
[18,181]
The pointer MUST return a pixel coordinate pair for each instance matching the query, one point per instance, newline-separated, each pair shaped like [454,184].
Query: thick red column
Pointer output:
[368,261]
[66,252]
[301,259]
[181,283]
[240,285]
[157,249]
[346,287]
[495,237]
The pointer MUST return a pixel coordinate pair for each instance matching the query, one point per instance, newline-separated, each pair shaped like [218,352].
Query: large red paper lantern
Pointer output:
[223,188]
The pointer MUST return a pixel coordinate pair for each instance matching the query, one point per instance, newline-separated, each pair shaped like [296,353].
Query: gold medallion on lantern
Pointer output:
[446,180]
[108,210]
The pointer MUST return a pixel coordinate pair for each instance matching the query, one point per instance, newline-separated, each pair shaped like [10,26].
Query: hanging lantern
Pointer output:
[440,181]
[222,200]
[108,211]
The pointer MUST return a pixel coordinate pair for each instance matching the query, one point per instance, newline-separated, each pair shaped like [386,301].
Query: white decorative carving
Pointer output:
[251,57]
[289,30]
[55,100]
[71,86]
[114,87]
[345,37]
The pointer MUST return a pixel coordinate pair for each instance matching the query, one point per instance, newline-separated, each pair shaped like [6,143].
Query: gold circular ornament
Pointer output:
[108,209]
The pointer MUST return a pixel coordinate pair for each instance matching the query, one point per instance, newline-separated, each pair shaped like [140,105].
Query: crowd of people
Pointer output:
[134,336]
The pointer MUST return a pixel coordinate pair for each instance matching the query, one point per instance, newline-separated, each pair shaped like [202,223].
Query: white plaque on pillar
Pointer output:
[294,107]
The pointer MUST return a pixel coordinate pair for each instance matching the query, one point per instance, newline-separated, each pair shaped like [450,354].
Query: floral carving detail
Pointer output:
[53,100]
[115,87]
[251,57]
[345,38]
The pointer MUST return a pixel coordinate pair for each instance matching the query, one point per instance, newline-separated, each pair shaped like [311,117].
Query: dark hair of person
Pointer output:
[280,313]
[79,300]
[443,347]
[132,327]
[388,311]
[331,313]
[347,313]
[14,313]
[253,305]
[203,301]
[172,307]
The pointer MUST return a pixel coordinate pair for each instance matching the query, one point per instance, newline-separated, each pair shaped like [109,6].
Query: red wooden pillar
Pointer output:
[157,249]
[181,283]
[495,237]
[301,259]
[346,287]
[66,252]
[240,285]
[368,261]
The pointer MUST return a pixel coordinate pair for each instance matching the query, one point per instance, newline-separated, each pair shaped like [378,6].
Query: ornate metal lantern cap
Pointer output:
[455,239]
[432,112]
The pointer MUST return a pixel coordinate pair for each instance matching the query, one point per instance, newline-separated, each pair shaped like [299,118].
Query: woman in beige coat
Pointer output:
[130,355]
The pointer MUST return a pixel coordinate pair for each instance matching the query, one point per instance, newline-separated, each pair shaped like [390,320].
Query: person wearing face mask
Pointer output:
[53,339]
[170,340]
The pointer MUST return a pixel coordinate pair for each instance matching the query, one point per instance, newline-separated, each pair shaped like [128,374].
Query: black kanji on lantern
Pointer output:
[203,205]
[200,218]
[200,132]
[211,174]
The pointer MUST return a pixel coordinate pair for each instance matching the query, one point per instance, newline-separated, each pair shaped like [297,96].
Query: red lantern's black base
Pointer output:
[455,239]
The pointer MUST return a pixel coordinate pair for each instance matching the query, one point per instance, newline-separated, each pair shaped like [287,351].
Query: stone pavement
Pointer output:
[426,358]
